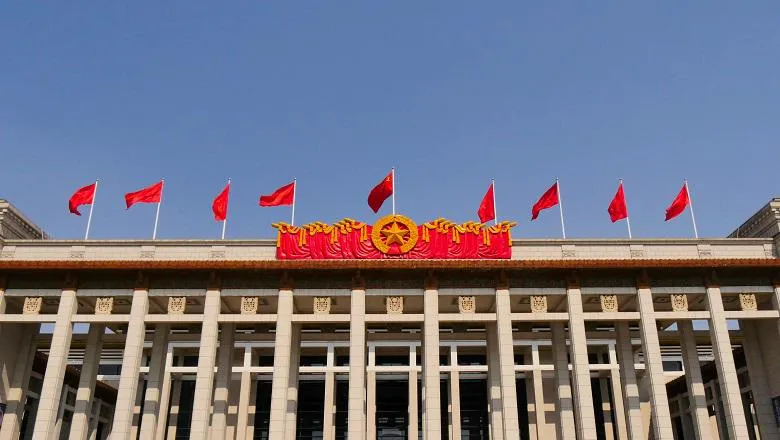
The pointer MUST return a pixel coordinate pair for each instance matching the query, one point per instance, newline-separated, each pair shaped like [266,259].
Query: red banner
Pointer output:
[394,236]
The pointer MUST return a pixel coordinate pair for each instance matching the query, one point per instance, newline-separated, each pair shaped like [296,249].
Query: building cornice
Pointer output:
[701,263]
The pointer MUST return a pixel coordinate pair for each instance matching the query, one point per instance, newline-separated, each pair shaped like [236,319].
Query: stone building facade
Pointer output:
[568,339]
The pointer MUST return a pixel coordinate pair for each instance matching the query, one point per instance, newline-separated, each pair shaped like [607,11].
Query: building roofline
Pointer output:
[702,263]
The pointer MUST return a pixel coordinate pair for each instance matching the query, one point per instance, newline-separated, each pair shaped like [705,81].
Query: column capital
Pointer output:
[712,281]
[141,281]
[643,280]
[285,282]
[71,282]
[573,280]
[502,283]
[431,283]
[214,282]
[358,282]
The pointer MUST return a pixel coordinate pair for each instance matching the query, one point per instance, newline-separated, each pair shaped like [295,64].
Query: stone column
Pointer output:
[758,381]
[17,392]
[281,377]
[454,398]
[371,405]
[506,365]
[173,416]
[242,424]
[131,363]
[154,382]
[583,397]
[356,419]
[165,393]
[329,425]
[291,419]
[564,402]
[662,421]
[727,371]
[79,429]
[207,357]
[697,399]
[539,415]
[494,385]
[222,387]
[252,411]
[617,404]
[630,391]
[431,367]
[51,390]
[606,408]
[413,431]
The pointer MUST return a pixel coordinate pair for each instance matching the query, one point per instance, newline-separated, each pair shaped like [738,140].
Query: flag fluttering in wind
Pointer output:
[548,200]
[283,196]
[220,205]
[82,196]
[617,208]
[150,194]
[487,209]
[678,204]
[682,201]
[381,192]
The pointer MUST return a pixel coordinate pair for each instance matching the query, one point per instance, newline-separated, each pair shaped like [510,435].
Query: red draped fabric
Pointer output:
[350,239]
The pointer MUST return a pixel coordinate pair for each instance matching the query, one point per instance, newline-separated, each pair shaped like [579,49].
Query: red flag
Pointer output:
[150,194]
[381,192]
[220,205]
[548,200]
[679,204]
[487,209]
[281,197]
[82,196]
[617,208]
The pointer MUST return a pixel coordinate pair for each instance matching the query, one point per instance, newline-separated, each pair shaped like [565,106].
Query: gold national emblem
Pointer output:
[394,234]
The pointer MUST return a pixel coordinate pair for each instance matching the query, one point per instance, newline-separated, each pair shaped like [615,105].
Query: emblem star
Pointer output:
[394,234]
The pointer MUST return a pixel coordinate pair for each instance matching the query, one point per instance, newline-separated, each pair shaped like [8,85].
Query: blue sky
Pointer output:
[452,93]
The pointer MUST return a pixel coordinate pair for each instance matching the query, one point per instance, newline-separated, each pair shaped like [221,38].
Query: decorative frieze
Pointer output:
[177,305]
[609,303]
[538,304]
[394,305]
[467,304]
[747,302]
[249,305]
[104,305]
[321,305]
[32,305]
[679,302]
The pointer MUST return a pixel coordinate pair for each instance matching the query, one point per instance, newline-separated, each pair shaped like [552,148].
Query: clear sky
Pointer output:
[334,93]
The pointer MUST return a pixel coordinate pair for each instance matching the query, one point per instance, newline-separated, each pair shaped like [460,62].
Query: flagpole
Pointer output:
[224,222]
[392,173]
[91,207]
[690,202]
[628,219]
[295,189]
[495,211]
[157,216]
[560,206]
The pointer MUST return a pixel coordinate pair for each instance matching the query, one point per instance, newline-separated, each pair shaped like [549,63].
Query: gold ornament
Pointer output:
[394,229]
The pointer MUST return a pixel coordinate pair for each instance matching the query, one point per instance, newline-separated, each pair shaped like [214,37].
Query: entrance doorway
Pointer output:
[392,409]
